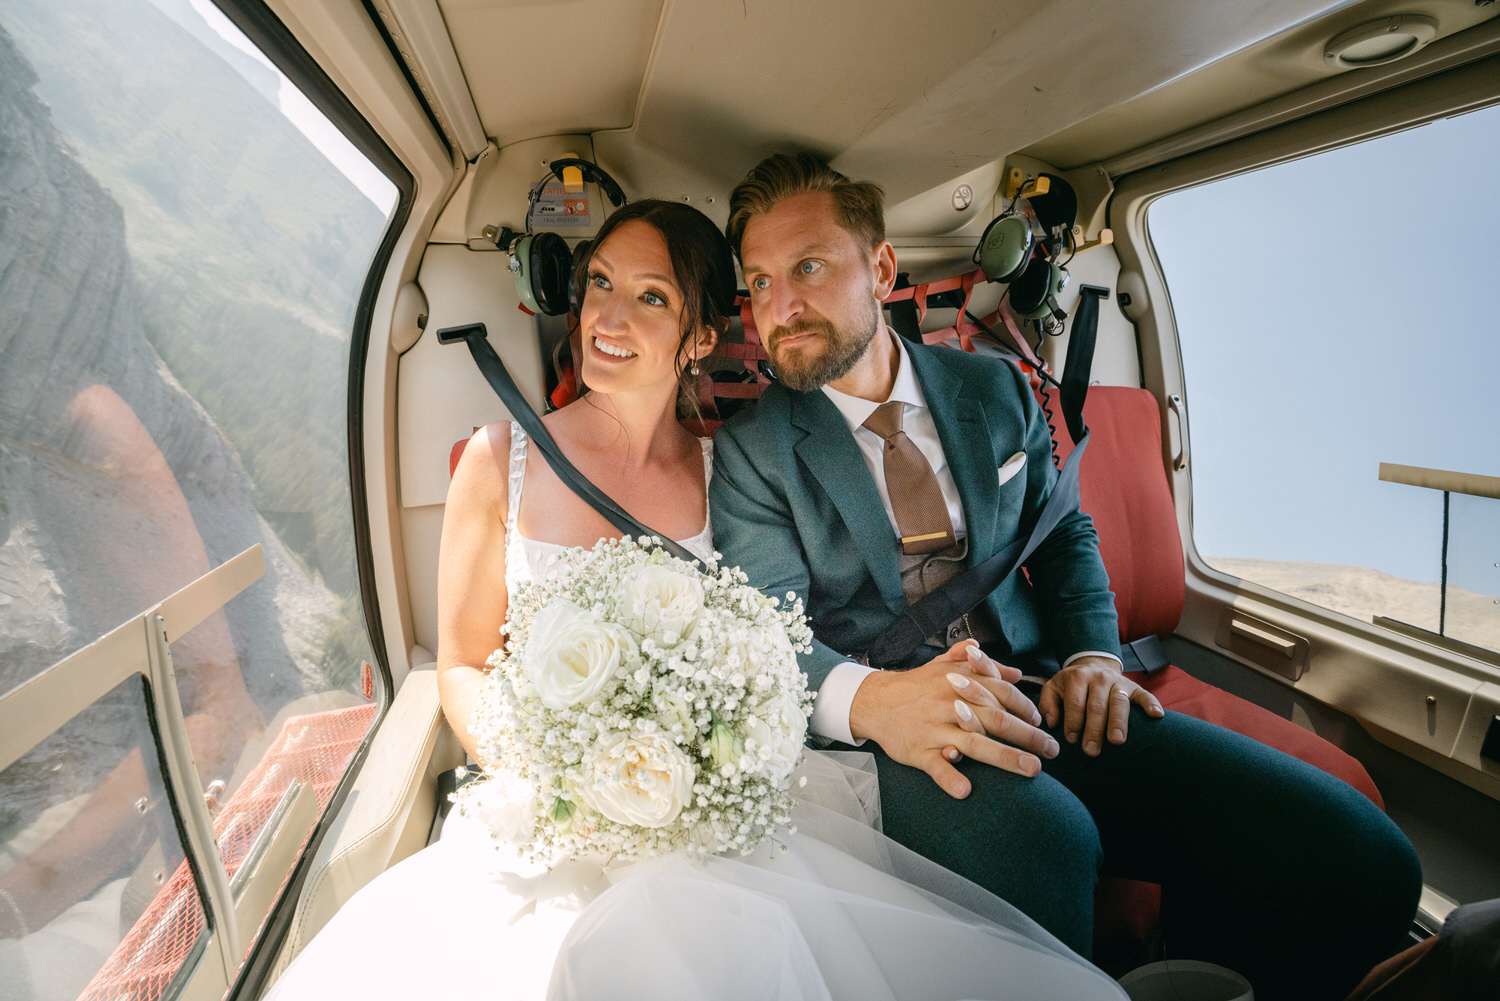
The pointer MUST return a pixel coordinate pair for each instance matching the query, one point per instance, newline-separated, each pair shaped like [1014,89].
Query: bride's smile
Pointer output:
[631,317]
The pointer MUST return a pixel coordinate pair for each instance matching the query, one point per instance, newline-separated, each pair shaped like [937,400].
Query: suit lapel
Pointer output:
[967,444]
[834,459]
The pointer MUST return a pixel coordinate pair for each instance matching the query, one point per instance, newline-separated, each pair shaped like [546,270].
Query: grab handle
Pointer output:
[1179,411]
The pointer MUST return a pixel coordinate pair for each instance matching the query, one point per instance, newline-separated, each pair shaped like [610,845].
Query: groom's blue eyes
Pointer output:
[760,283]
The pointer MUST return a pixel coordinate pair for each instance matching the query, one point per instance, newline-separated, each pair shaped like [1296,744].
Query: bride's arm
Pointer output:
[471,575]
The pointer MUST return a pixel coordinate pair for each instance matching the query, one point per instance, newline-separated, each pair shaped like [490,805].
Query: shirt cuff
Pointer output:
[1088,653]
[830,715]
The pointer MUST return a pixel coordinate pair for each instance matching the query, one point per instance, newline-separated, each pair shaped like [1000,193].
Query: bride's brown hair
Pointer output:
[701,264]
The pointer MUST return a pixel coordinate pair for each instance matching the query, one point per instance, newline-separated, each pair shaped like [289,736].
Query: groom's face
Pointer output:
[813,290]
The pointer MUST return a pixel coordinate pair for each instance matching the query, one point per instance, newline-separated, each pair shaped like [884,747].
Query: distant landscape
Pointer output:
[1363,594]
[189,249]
[249,248]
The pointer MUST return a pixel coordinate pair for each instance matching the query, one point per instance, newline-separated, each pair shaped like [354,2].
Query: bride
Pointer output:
[843,912]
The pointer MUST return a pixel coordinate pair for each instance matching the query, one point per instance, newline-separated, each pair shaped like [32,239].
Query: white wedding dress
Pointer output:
[843,912]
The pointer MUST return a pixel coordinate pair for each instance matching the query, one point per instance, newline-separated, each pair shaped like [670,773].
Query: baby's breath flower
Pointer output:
[695,679]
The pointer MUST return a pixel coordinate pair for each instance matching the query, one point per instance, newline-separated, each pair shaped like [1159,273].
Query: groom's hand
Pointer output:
[1091,697]
[958,701]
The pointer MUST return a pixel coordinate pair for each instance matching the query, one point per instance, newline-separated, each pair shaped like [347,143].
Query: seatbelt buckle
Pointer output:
[1149,652]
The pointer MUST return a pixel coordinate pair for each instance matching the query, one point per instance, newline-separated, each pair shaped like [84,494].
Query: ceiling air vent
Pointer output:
[1378,42]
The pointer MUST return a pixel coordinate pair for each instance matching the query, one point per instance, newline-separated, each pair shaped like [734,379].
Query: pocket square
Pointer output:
[1012,466]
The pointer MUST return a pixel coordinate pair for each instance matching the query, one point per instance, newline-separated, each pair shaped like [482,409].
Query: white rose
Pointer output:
[571,654]
[661,601]
[775,645]
[778,726]
[643,781]
[505,804]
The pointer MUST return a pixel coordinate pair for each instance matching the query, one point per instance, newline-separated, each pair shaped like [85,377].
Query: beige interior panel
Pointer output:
[538,68]
[422,528]
[1280,65]
[730,81]
[441,395]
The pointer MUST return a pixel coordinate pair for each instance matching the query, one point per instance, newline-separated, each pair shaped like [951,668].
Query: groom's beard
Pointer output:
[807,368]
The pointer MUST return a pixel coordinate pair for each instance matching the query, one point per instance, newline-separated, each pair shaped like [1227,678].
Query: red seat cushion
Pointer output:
[1123,487]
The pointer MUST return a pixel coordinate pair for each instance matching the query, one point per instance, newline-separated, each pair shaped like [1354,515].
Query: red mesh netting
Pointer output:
[314,749]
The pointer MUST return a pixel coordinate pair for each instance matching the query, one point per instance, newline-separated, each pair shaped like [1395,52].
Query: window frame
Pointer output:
[47,701]
[277,43]
[1372,673]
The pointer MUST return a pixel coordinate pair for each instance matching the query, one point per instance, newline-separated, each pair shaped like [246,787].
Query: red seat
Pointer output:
[1124,489]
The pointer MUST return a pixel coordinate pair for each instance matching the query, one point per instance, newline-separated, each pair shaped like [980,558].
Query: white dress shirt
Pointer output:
[830,716]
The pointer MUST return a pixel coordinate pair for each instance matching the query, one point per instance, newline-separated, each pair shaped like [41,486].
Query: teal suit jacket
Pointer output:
[795,506]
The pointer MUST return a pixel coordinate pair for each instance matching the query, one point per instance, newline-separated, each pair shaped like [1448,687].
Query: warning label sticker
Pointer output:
[557,207]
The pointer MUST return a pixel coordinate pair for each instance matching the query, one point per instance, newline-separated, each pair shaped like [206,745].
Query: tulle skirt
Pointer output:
[834,910]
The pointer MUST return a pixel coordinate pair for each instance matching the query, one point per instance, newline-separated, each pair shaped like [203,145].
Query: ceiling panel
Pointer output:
[545,67]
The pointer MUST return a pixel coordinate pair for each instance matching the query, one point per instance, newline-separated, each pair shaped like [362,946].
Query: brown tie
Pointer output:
[916,499]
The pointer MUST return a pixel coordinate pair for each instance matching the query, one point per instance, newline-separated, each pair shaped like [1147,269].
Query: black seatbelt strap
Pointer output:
[494,372]
[931,615]
[1080,361]
[903,312]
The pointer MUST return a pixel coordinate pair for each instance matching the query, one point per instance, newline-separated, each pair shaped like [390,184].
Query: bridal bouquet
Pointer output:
[640,706]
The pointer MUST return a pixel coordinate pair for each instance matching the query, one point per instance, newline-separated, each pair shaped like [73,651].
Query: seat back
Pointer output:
[1123,487]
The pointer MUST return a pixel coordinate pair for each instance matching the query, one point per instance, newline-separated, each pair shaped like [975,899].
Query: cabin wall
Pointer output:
[441,397]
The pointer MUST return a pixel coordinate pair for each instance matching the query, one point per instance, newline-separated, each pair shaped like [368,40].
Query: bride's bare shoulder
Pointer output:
[479,476]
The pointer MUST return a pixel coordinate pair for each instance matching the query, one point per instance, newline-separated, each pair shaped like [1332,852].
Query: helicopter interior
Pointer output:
[963,112]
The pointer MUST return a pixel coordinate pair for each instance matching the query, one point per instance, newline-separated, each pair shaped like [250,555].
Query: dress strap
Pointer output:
[516,479]
[707,445]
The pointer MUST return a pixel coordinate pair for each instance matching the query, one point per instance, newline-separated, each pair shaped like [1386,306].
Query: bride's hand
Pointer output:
[915,717]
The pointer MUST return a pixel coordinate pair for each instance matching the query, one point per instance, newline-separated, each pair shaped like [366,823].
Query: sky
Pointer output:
[1334,313]
[308,119]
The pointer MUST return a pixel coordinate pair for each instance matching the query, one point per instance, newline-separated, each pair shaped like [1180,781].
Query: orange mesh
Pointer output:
[315,749]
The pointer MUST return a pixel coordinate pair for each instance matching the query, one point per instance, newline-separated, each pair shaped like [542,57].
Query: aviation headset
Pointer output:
[1009,252]
[542,264]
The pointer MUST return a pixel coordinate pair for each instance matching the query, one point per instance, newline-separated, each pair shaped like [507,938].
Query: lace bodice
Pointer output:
[528,559]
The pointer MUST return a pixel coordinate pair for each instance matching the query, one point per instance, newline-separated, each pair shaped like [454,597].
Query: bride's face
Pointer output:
[631,318]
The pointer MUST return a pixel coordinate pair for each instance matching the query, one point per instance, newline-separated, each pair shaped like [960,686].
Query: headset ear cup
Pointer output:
[520,265]
[1029,292]
[576,278]
[1004,248]
[550,266]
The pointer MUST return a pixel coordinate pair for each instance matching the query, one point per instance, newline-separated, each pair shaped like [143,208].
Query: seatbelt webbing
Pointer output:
[495,373]
[1080,361]
[931,615]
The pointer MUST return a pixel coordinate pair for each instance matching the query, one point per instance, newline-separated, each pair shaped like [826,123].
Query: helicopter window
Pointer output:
[87,842]
[1337,344]
[185,239]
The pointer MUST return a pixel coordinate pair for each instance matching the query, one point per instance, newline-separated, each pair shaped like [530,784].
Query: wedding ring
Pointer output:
[1117,691]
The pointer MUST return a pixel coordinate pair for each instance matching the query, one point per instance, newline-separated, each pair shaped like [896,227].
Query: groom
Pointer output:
[877,469]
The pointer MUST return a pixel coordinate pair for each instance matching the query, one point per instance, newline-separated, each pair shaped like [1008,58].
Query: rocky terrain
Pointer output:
[116,486]
[1362,594]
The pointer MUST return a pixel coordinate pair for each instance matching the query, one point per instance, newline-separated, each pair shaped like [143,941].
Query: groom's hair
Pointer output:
[857,205]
